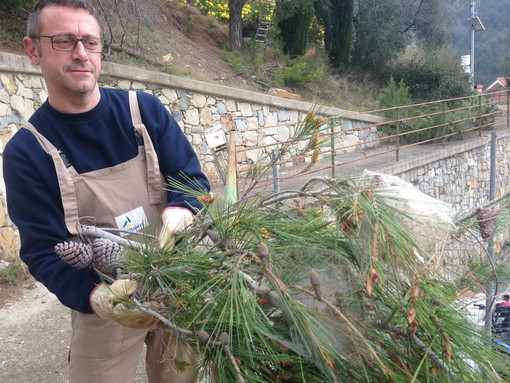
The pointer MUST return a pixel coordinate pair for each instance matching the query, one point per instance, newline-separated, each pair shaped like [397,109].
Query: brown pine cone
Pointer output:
[263,252]
[487,222]
[224,338]
[203,336]
[107,255]
[315,279]
[77,255]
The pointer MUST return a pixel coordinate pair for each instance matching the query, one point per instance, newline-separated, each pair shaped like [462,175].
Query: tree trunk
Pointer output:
[235,30]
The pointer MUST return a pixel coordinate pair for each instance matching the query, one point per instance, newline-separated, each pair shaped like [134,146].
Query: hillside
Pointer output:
[178,39]
[195,54]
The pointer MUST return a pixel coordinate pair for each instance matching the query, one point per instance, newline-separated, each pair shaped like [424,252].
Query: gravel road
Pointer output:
[35,330]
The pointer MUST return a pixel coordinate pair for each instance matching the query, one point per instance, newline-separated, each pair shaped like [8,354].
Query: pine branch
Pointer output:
[335,309]
[163,319]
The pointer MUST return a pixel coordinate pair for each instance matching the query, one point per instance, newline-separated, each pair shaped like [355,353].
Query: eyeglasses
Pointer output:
[67,43]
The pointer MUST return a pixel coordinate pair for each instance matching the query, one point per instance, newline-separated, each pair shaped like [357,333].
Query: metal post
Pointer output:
[472,55]
[231,178]
[508,108]
[480,115]
[333,150]
[490,245]
[276,171]
[445,120]
[397,153]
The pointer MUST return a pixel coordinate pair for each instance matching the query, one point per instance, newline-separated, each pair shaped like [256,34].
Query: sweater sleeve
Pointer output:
[177,158]
[35,207]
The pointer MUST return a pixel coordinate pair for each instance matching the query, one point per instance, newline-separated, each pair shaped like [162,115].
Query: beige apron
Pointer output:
[112,193]
[103,351]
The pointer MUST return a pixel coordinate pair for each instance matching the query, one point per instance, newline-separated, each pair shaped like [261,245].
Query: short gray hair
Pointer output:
[34,18]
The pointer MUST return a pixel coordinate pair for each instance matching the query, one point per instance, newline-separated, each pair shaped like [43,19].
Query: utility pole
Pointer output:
[476,26]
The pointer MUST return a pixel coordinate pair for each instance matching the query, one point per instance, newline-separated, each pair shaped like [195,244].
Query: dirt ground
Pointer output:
[35,331]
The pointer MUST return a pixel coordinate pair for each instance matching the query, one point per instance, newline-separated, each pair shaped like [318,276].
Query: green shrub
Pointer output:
[394,95]
[235,60]
[431,75]
[298,72]
[439,119]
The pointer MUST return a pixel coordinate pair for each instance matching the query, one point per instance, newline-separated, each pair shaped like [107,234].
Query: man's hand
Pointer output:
[175,220]
[114,303]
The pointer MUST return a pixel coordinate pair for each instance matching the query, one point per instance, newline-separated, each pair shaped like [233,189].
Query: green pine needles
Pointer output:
[337,282]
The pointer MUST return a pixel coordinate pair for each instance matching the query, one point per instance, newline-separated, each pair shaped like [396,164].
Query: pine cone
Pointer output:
[315,279]
[263,251]
[487,221]
[203,336]
[77,255]
[224,338]
[107,255]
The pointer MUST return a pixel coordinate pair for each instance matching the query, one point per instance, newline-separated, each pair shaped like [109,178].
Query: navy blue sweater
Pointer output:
[100,138]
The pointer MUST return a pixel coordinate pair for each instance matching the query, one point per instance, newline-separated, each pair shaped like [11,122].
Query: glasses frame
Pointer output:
[78,39]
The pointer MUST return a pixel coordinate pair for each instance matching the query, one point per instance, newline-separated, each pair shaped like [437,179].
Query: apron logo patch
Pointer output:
[132,221]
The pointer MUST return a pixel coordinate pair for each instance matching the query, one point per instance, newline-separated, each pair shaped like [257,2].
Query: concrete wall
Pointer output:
[460,176]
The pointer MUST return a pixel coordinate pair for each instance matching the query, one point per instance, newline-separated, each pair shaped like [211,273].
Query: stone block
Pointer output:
[138,86]
[245,109]
[198,100]
[170,94]
[205,116]
[18,104]
[8,84]
[191,117]
[124,84]
[231,105]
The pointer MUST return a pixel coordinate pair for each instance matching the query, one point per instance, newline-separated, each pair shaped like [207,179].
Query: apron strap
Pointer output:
[153,172]
[64,177]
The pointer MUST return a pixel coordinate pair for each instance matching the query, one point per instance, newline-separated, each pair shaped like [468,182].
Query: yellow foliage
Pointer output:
[220,9]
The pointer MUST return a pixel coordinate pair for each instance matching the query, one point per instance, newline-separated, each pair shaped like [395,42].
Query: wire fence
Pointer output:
[323,145]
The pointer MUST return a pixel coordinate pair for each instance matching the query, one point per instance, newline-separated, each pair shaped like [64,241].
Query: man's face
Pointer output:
[66,73]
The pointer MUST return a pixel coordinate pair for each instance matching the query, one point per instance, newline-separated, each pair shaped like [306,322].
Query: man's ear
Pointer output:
[31,50]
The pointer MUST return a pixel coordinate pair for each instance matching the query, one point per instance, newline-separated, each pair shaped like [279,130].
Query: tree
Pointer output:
[337,18]
[235,30]
[293,20]
[430,22]
[384,29]
[379,34]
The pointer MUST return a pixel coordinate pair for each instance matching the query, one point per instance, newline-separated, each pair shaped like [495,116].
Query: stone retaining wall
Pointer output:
[459,173]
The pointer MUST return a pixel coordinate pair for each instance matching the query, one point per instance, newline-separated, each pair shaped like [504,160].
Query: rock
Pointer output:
[284,94]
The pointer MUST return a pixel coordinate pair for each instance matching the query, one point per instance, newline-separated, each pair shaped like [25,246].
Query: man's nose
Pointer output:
[79,51]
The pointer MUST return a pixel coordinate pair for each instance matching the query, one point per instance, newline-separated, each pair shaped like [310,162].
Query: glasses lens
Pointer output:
[64,43]
[67,43]
[91,44]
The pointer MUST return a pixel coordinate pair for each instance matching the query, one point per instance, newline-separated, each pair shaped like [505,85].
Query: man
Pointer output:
[506,300]
[101,153]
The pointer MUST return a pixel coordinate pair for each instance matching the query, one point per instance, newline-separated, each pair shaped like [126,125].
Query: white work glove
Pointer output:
[113,302]
[175,220]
